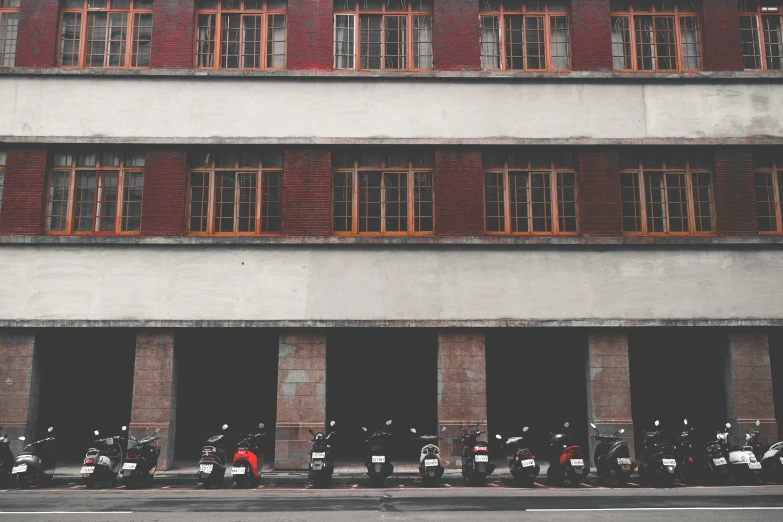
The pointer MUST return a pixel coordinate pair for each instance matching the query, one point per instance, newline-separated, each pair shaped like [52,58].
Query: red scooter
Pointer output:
[248,460]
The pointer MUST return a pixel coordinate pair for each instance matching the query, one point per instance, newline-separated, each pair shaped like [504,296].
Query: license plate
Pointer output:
[577,462]
[430,462]
[319,455]
[754,465]
[23,467]
[719,462]
[669,462]
[482,458]
[205,468]
[129,465]
[86,470]
[378,459]
[624,461]
[237,471]
[527,463]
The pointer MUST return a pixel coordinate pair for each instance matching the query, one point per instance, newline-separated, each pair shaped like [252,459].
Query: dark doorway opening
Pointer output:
[776,363]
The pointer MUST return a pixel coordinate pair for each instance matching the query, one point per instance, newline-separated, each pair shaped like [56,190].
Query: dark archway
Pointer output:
[776,363]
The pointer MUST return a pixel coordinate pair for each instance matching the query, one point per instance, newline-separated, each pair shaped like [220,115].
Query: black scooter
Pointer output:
[430,466]
[212,464]
[566,461]
[476,466]
[657,464]
[709,460]
[104,460]
[378,463]
[521,461]
[612,457]
[141,461]
[321,460]
[6,460]
[35,464]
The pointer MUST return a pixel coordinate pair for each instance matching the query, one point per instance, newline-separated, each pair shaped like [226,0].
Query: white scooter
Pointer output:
[430,466]
[772,462]
[742,461]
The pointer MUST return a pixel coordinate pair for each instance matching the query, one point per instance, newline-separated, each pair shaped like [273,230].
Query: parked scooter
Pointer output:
[248,460]
[6,460]
[657,463]
[378,463]
[36,463]
[141,461]
[566,461]
[212,465]
[612,457]
[430,467]
[772,462]
[321,461]
[104,460]
[742,459]
[709,460]
[521,461]
[476,466]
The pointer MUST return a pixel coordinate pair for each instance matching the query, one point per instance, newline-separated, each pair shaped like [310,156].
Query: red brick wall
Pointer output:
[721,36]
[599,193]
[310,34]
[735,196]
[23,191]
[36,44]
[459,193]
[307,188]
[165,185]
[172,34]
[456,35]
[591,35]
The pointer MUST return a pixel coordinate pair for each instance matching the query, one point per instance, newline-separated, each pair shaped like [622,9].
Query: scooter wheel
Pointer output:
[668,481]
[24,482]
[622,479]
[377,482]
[240,481]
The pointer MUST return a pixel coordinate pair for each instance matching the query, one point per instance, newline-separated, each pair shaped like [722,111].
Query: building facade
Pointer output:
[544,211]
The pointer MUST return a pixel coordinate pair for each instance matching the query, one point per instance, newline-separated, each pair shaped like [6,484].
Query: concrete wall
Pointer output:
[206,110]
[133,285]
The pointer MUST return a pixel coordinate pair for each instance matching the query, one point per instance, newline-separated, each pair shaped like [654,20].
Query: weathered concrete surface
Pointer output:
[301,397]
[20,385]
[205,110]
[462,389]
[155,391]
[389,283]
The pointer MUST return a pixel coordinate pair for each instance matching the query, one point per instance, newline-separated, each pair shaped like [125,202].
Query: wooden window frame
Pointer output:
[6,10]
[547,14]
[554,217]
[357,13]
[98,169]
[639,174]
[131,11]
[217,55]
[657,13]
[410,171]
[759,14]
[776,171]
[212,170]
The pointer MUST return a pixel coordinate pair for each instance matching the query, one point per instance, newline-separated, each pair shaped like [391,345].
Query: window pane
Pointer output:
[142,40]
[534,42]
[395,187]
[343,41]
[229,46]
[689,40]
[664,43]
[106,202]
[541,202]
[677,202]
[702,201]
[57,201]
[133,186]
[751,46]
[423,209]
[225,183]
[199,202]
[69,42]
[518,187]
[251,41]
[96,39]
[566,201]
[271,200]
[422,42]
[394,36]
[9,30]
[773,41]
[631,203]
[246,204]
[84,202]
[117,33]
[370,201]
[343,202]
[205,44]
[490,42]
[560,43]
[371,43]
[276,41]
[515,43]
[493,201]
[645,39]
[621,43]
[655,202]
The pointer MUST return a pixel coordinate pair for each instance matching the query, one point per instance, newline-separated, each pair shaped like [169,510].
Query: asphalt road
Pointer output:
[355,504]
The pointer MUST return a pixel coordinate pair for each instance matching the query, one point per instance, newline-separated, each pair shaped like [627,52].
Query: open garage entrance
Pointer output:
[86,385]
[225,376]
[536,378]
[776,364]
[377,374]
[677,373]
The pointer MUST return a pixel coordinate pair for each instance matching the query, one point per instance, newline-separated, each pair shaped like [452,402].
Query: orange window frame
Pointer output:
[98,170]
[761,12]
[8,8]
[775,172]
[654,12]
[130,29]
[547,14]
[217,54]
[410,14]
[212,171]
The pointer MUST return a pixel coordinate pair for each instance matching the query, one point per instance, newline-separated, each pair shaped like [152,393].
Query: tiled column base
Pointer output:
[19,385]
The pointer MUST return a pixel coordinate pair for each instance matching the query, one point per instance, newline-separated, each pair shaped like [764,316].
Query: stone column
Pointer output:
[20,385]
[608,385]
[462,389]
[748,378]
[155,391]
[301,397]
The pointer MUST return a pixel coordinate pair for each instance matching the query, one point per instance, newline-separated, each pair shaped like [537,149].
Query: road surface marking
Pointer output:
[66,512]
[780,508]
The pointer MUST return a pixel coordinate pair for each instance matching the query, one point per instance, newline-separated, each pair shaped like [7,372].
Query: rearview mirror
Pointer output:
[124,428]
[657,423]
[524,430]
[685,421]
[225,427]
[332,423]
[311,432]
[728,425]
[443,429]
[497,436]
[364,429]
[261,426]
[388,422]
[592,425]
[566,425]
[96,433]
[156,431]
[621,431]
[758,423]
[51,428]
[22,438]
[413,430]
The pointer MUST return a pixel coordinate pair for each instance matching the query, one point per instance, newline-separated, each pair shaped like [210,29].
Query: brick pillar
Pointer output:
[721,33]
[307,193]
[165,186]
[36,44]
[172,34]
[748,378]
[456,35]
[459,193]
[735,195]
[301,397]
[23,191]
[155,390]
[310,34]
[19,385]
[591,35]
[608,385]
[462,389]
[599,193]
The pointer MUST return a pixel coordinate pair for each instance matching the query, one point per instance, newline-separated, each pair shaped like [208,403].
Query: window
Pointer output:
[241,34]
[519,35]
[9,29]
[235,193]
[106,33]
[666,194]
[655,36]
[377,194]
[530,193]
[768,174]
[2,176]
[383,34]
[95,193]
[761,32]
